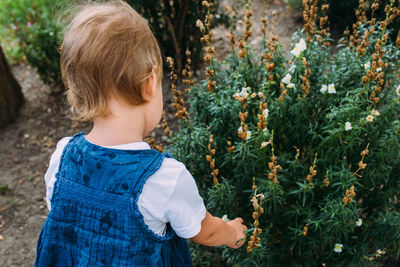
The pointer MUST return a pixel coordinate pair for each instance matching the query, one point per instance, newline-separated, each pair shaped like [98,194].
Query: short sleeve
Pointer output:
[50,176]
[186,208]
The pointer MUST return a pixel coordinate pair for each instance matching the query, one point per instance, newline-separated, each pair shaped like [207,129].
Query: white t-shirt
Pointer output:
[169,195]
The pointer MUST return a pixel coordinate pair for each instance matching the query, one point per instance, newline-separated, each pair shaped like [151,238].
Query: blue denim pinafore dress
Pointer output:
[95,221]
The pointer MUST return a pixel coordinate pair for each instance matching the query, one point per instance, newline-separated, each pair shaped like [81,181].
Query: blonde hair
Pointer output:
[107,49]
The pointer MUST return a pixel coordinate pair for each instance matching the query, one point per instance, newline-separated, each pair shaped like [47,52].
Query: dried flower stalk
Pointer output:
[256,201]
[210,158]
[242,98]
[264,27]
[187,72]
[231,35]
[247,31]
[310,14]
[326,181]
[297,153]
[152,142]
[323,24]
[164,125]
[313,171]
[179,103]
[378,66]
[207,40]
[361,164]
[379,253]
[361,19]
[262,116]
[283,91]
[231,147]
[273,164]
[362,48]
[305,87]
[305,228]
[349,195]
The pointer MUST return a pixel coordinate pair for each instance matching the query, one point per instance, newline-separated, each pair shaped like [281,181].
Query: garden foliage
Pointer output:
[342,15]
[305,146]
[33,33]
[174,25]
[33,30]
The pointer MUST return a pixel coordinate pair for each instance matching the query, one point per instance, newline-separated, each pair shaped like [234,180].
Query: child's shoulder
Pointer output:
[63,142]
[170,166]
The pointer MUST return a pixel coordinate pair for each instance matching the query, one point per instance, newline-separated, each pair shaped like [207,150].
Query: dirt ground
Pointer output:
[26,146]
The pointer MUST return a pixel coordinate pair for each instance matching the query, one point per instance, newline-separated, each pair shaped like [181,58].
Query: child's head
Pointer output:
[108,50]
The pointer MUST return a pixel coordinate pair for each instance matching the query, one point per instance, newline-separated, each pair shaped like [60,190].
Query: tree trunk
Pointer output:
[11,97]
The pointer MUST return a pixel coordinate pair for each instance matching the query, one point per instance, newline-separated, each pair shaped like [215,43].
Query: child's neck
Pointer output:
[124,125]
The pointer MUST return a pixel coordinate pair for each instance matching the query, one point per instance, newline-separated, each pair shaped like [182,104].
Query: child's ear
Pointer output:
[149,87]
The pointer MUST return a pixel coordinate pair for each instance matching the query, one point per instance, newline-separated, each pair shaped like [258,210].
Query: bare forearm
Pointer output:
[215,232]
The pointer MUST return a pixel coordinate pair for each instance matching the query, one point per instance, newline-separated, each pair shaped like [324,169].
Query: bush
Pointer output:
[342,13]
[305,147]
[33,25]
[38,32]
[174,25]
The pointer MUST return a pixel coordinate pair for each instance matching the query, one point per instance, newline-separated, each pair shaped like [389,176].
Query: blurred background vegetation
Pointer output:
[31,30]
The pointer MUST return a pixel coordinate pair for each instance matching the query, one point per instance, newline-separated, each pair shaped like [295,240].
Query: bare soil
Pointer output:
[27,144]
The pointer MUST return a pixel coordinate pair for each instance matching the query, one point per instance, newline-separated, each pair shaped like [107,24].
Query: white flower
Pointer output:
[338,248]
[245,89]
[299,47]
[398,90]
[331,88]
[367,66]
[370,118]
[291,86]
[248,135]
[245,92]
[379,69]
[265,113]
[287,78]
[264,144]
[359,222]
[236,95]
[348,126]
[225,218]
[200,25]
[375,112]
[292,68]
[323,89]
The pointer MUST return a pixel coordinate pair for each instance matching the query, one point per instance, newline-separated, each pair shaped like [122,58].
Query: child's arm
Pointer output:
[216,232]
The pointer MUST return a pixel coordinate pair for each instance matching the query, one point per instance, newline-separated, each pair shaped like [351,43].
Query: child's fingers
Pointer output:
[240,240]
[240,220]
[238,244]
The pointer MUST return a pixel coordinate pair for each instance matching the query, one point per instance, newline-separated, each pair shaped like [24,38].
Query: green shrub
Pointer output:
[174,25]
[34,25]
[322,126]
[342,13]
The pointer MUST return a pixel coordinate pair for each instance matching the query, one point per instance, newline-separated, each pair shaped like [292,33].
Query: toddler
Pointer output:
[113,201]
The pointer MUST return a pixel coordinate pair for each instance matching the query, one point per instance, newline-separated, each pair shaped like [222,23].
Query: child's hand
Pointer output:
[239,232]
[215,232]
